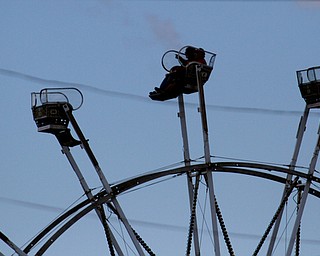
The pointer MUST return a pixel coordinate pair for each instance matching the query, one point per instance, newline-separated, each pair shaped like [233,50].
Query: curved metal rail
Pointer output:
[83,208]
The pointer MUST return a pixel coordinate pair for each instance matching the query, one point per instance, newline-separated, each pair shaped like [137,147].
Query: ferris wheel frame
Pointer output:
[86,206]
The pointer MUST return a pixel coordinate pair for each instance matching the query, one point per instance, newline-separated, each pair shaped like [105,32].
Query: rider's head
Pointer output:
[190,52]
[199,53]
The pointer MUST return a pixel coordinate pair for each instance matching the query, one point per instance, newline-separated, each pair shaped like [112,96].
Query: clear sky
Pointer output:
[254,107]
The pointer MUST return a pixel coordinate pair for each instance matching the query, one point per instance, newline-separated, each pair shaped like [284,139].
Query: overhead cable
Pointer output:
[129,96]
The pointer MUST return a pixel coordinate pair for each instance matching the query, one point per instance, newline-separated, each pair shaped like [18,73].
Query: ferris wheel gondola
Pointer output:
[309,84]
[49,114]
[186,72]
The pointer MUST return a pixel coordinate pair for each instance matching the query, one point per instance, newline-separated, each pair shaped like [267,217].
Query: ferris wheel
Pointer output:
[53,109]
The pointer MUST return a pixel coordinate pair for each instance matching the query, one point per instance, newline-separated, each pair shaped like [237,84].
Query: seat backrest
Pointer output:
[191,84]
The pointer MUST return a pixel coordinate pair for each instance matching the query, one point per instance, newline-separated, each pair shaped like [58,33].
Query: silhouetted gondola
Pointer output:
[49,114]
[309,84]
[192,70]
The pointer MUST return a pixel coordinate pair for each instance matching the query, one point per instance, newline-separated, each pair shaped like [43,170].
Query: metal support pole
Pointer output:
[5,239]
[304,195]
[298,235]
[87,191]
[300,132]
[102,178]
[186,155]
[208,174]
[182,116]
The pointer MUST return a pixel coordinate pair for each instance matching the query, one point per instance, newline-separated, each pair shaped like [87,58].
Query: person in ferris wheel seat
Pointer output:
[173,83]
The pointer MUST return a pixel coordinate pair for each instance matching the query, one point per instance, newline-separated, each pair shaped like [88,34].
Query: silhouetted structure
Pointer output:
[309,84]
[194,70]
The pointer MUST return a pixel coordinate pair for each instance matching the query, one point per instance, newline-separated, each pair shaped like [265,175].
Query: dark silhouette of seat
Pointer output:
[50,116]
[195,70]
[309,84]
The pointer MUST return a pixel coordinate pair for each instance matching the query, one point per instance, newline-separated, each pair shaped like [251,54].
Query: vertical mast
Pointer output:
[86,189]
[102,178]
[305,193]
[309,86]
[186,155]
[208,174]
[301,129]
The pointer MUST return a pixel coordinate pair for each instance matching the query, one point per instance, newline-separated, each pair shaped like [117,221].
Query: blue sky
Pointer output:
[116,46]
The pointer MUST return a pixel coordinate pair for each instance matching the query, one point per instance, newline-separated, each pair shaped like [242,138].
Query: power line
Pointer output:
[57,83]
[129,96]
